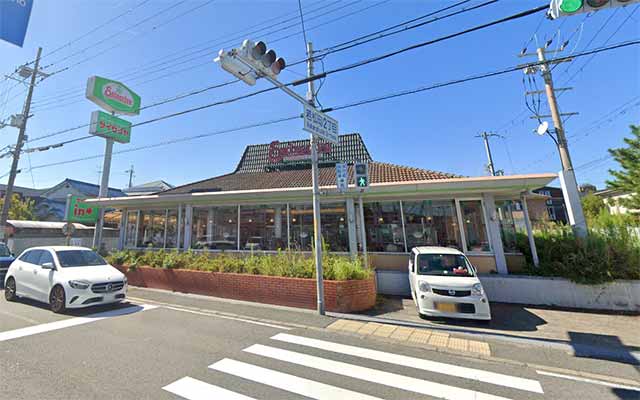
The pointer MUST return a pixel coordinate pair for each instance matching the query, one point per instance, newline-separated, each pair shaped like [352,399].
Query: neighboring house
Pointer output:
[555,208]
[148,188]
[612,199]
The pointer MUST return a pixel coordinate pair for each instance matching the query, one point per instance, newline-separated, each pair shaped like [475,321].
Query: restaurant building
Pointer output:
[265,205]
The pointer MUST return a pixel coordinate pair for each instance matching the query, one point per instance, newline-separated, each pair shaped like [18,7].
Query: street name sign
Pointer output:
[342,177]
[320,124]
[81,212]
[14,20]
[113,96]
[110,127]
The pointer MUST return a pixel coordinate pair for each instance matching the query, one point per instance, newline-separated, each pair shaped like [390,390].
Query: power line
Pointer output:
[359,102]
[304,32]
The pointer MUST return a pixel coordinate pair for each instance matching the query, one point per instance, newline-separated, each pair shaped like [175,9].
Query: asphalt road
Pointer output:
[153,350]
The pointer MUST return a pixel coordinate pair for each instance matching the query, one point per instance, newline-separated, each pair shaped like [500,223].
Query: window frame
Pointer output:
[463,235]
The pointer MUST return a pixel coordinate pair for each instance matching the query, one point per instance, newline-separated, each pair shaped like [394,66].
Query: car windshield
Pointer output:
[4,250]
[444,265]
[79,258]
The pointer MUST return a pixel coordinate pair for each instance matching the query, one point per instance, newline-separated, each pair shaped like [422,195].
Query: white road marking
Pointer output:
[20,317]
[285,328]
[290,383]
[426,365]
[193,389]
[372,375]
[587,380]
[67,323]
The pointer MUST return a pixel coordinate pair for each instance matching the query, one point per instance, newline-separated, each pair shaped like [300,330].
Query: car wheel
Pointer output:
[57,299]
[10,290]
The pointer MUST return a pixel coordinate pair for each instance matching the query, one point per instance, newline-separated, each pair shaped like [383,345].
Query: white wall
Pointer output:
[18,245]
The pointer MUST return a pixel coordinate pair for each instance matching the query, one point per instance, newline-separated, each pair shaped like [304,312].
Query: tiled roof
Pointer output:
[297,178]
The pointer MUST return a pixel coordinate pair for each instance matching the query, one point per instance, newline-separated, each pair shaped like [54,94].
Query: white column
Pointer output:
[527,224]
[179,229]
[351,228]
[188,217]
[210,218]
[363,233]
[493,230]
[277,222]
[123,228]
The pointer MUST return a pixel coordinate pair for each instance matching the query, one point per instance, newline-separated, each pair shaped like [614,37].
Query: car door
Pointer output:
[43,278]
[24,274]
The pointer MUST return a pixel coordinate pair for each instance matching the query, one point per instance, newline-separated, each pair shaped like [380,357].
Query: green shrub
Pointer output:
[283,263]
[609,252]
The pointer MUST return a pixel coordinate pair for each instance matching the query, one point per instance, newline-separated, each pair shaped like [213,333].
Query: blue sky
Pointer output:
[434,129]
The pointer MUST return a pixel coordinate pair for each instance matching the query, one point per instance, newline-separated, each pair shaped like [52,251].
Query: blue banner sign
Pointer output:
[14,19]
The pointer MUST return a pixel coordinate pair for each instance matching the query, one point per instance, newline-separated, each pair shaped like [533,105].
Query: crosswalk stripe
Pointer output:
[193,389]
[372,375]
[289,383]
[413,362]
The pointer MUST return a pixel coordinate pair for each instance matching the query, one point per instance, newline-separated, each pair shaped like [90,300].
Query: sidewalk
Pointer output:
[594,335]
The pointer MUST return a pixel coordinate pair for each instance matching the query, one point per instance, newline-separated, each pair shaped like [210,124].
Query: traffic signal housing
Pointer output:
[264,60]
[361,175]
[230,64]
[565,8]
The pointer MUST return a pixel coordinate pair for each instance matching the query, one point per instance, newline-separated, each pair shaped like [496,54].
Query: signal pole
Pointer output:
[485,136]
[567,175]
[130,171]
[4,215]
[317,232]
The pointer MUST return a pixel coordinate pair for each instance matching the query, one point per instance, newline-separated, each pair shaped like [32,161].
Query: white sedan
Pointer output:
[64,277]
[445,284]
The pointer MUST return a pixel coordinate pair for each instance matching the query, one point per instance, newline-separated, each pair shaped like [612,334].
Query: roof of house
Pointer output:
[148,188]
[24,191]
[88,189]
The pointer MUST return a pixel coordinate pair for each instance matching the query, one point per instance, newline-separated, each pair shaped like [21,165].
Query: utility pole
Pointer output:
[485,136]
[18,149]
[317,230]
[567,175]
[130,171]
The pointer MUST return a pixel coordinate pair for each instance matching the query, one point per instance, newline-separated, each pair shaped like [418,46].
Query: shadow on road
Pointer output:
[603,347]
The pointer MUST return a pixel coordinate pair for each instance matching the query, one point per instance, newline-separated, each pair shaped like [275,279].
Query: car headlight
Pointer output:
[125,280]
[79,284]
[477,290]
[424,286]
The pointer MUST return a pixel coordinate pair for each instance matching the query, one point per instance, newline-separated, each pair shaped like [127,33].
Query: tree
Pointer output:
[628,178]
[21,209]
[592,206]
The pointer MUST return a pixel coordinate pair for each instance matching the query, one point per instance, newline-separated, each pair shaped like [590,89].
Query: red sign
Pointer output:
[294,152]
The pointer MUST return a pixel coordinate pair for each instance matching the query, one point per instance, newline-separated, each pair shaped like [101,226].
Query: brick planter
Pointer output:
[340,296]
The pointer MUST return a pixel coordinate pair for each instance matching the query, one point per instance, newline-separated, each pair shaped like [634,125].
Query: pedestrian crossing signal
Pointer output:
[362,175]
[362,181]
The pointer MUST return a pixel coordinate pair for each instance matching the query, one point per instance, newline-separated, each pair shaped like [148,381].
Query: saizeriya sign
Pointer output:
[79,211]
[110,127]
[289,152]
[113,96]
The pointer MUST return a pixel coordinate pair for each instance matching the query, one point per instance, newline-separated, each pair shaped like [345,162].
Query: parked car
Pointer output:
[6,258]
[445,284]
[64,277]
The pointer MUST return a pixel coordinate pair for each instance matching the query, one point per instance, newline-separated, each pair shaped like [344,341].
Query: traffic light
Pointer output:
[565,8]
[362,175]
[241,71]
[265,61]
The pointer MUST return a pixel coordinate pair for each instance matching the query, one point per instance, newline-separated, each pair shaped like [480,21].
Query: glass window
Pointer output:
[215,228]
[151,228]
[384,227]
[263,227]
[505,209]
[132,218]
[79,258]
[301,225]
[4,250]
[444,265]
[45,257]
[335,231]
[172,229]
[31,257]
[474,226]
[431,223]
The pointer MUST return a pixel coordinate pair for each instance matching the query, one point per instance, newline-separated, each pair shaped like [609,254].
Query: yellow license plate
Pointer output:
[447,307]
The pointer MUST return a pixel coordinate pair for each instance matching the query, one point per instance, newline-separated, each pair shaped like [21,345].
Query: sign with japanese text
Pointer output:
[110,127]
[14,20]
[113,96]
[81,212]
[342,177]
[280,153]
[320,124]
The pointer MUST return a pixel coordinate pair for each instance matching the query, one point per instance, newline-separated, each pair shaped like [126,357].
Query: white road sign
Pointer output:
[342,177]
[320,124]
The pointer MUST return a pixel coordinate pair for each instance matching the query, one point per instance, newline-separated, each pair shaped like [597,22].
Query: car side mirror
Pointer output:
[48,265]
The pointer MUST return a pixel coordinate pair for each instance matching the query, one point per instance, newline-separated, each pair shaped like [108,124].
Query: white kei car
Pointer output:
[64,277]
[445,284]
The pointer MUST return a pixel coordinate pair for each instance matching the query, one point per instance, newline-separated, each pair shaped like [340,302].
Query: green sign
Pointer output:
[113,96]
[79,211]
[362,181]
[110,127]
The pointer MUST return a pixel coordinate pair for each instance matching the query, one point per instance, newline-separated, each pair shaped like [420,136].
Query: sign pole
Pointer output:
[317,227]
[67,240]
[104,189]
